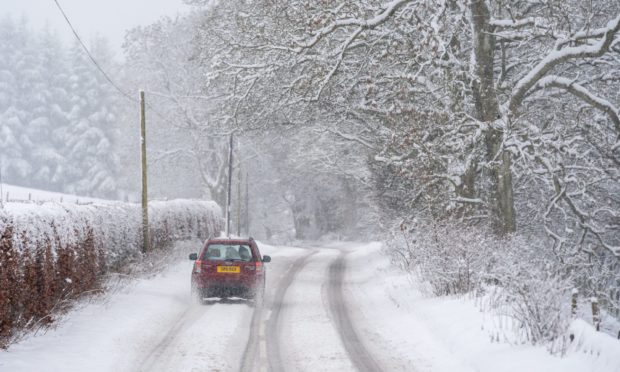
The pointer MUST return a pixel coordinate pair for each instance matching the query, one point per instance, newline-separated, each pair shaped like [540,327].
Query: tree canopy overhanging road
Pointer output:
[477,140]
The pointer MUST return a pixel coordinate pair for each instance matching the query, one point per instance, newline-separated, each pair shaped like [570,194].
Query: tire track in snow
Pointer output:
[358,354]
[153,360]
[272,330]
[251,354]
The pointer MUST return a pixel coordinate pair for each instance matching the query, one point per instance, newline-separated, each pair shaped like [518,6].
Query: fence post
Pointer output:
[596,316]
[573,307]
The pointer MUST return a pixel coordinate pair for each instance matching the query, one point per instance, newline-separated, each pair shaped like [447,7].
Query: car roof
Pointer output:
[229,241]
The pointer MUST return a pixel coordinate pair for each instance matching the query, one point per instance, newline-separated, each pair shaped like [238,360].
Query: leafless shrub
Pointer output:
[451,259]
[531,289]
[521,281]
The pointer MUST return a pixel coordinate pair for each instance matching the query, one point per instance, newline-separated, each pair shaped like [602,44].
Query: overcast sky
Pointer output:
[109,18]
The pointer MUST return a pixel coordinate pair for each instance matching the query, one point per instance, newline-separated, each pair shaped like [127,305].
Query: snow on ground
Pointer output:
[107,335]
[308,322]
[452,334]
[139,327]
[152,325]
[588,341]
[270,250]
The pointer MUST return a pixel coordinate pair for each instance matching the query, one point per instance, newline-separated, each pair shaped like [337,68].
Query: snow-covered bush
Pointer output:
[530,287]
[449,258]
[517,277]
[51,253]
[597,275]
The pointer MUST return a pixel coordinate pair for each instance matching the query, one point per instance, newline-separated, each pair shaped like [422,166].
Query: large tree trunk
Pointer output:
[502,198]
[487,110]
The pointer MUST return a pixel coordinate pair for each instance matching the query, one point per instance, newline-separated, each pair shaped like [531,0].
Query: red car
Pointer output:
[229,268]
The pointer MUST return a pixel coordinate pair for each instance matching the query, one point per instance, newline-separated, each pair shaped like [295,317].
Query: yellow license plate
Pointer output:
[229,269]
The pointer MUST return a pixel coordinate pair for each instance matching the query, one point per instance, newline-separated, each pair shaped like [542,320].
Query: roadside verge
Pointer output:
[410,330]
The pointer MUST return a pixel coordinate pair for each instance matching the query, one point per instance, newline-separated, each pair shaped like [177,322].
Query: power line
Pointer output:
[107,77]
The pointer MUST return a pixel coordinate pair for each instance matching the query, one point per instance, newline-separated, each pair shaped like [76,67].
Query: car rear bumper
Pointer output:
[228,291]
[227,288]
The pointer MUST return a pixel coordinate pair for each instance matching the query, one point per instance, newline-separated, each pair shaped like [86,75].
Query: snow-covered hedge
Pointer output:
[52,252]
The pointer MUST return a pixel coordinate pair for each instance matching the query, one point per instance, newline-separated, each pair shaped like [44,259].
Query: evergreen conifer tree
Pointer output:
[93,165]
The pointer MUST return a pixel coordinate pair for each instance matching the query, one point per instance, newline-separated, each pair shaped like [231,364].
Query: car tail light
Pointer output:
[258,266]
[197,266]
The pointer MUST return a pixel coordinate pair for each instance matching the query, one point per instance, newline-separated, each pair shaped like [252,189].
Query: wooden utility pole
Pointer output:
[247,204]
[239,201]
[145,200]
[228,197]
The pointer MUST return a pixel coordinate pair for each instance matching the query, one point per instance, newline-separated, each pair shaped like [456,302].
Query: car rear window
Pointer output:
[228,252]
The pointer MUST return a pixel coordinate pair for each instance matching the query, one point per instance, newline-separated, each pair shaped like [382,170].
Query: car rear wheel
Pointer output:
[196,294]
[257,298]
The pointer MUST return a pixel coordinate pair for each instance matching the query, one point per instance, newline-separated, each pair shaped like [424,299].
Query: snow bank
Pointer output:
[588,341]
[411,330]
[53,252]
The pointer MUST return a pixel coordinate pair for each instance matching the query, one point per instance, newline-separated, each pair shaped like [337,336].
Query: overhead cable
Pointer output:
[107,77]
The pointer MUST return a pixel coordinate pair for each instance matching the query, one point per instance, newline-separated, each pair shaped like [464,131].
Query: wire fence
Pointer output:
[37,199]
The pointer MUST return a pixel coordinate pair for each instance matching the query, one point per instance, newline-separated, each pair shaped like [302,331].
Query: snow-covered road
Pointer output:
[338,307]
[153,326]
